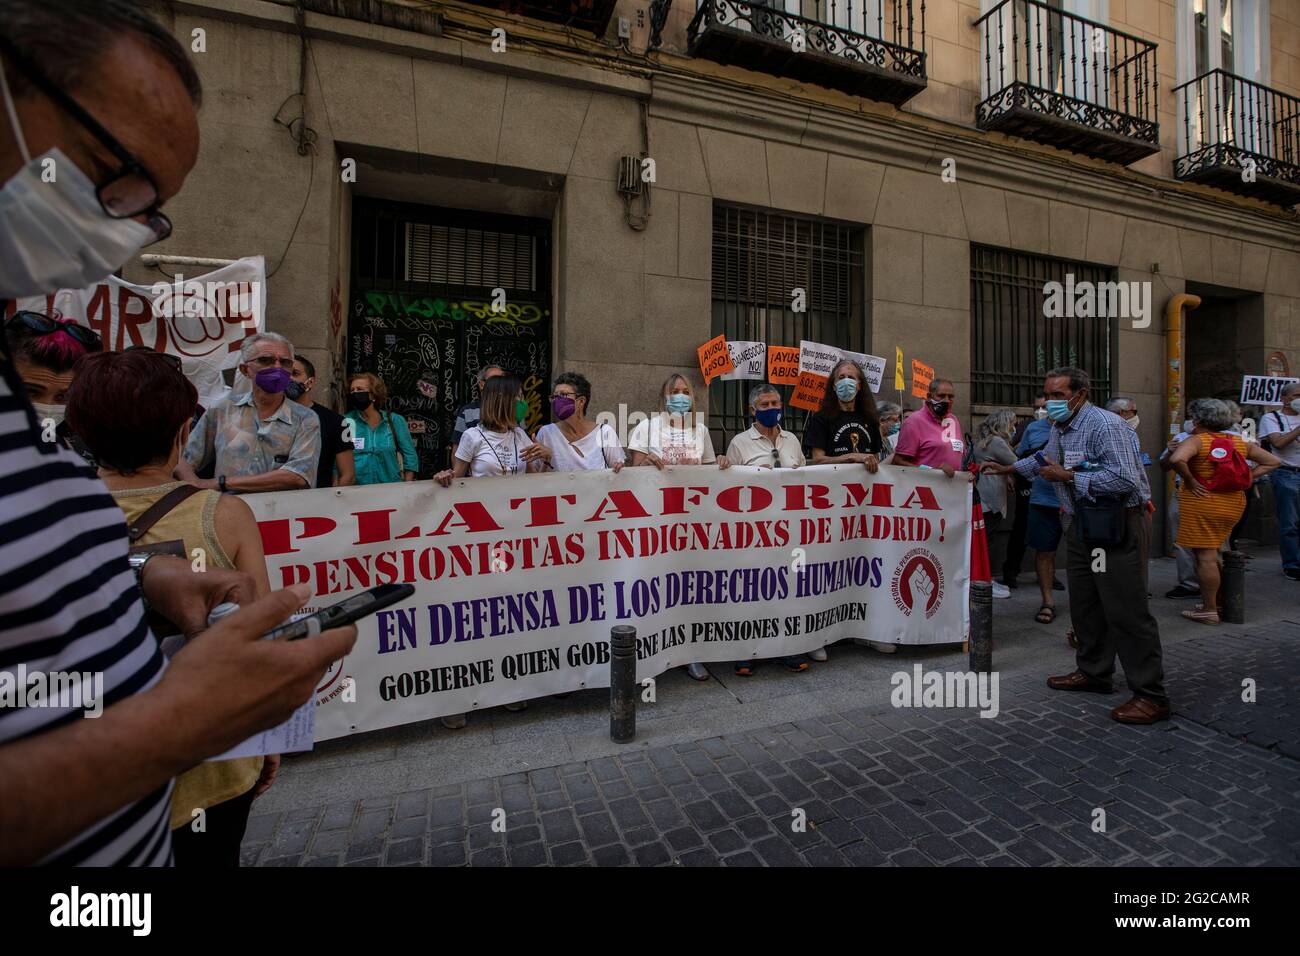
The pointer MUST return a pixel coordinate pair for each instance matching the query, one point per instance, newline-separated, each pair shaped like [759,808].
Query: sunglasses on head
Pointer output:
[172,360]
[42,324]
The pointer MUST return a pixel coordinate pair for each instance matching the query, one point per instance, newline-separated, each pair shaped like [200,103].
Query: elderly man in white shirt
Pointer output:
[766,444]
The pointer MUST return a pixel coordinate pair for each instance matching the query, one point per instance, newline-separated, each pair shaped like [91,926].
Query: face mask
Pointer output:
[939,408]
[1040,413]
[52,412]
[295,390]
[1058,410]
[358,401]
[563,406]
[1295,405]
[274,380]
[846,389]
[768,417]
[521,409]
[893,430]
[678,404]
[1188,426]
[1133,422]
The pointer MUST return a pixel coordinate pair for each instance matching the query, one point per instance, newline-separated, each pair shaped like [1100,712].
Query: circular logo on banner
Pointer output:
[918,583]
[1219,453]
[333,674]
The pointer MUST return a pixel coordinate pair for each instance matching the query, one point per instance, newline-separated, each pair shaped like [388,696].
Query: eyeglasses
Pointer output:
[44,325]
[173,360]
[776,458]
[131,191]
[266,361]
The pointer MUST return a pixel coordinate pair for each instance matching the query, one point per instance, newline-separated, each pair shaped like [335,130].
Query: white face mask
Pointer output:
[1295,405]
[1188,426]
[54,235]
[1040,413]
[53,412]
[1133,422]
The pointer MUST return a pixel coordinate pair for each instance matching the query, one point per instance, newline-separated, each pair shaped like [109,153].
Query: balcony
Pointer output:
[1240,136]
[590,15]
[874,49]
[1059,79]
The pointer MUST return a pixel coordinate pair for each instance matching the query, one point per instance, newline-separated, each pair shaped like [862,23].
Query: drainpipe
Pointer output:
[1174,367]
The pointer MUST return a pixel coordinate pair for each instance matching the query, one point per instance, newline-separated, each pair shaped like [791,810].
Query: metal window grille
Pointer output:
[759,259]
[1013,342]
[450,255]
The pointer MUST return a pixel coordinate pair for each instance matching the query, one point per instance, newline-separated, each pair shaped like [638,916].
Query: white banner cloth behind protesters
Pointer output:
[520,579]
[201,319]
[821,359]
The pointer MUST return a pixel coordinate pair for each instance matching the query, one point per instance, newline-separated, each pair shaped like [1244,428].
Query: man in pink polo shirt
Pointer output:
[932,437]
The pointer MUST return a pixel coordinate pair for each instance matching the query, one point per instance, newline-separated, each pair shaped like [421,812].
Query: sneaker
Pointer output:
[1292,573]
[1001,590]
[1183,592]
[517,706]
[454,721]
[818,655]
[883,648]
[697,671]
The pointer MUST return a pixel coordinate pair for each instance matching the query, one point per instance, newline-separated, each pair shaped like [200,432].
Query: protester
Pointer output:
[335,446]
[97,792]
[1010,569]
[45,349]
[1279,430]
[576,442]
[496,447]
[890,423]
[467,416]
[766,445]
[1187,586]
[1043,522]
[676,435]
[1100,485]
[1209,503]
[932,438]
[256,440]
[1126,408]
[382,449]
[994,445]
[133,410]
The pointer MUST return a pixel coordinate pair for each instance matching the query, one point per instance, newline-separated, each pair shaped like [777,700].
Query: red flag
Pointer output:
[979,548]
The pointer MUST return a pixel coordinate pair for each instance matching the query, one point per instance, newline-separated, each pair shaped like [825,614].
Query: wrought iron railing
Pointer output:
[1044,60]
[885,34]
[1229,121]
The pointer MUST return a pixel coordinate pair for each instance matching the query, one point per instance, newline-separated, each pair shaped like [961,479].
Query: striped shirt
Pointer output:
[69,603]
[1104,440]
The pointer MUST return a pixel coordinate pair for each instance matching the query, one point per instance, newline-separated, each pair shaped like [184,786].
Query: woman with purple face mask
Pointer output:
[576,442]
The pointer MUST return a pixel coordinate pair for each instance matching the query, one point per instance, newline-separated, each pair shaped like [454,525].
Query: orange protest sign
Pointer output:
[922,374]
[783,364]
[715,358]
[809,391]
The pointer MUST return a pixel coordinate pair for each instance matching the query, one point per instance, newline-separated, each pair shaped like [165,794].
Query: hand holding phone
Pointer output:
[346,611]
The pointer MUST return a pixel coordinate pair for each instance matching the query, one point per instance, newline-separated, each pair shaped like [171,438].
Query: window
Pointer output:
[1227,107]
[1013,341]
[759,259]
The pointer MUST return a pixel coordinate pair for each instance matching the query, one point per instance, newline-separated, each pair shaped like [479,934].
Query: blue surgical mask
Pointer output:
[1058,410]
[846,389]
[768,417]
[678,403]
[893,430]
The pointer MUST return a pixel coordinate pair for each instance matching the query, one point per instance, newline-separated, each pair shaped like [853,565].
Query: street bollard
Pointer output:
[981,627]
[1232,587]
[622,683]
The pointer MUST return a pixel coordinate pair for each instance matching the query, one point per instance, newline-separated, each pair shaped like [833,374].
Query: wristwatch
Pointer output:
[137,560]
[221,483]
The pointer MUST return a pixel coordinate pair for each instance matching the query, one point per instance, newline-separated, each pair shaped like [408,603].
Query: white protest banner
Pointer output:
[873,367]
[749,359]
[200,319]
[520,579]
[1262,389]
[817,358]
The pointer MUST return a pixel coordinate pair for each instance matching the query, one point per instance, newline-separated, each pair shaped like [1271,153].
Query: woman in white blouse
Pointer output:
[576,443]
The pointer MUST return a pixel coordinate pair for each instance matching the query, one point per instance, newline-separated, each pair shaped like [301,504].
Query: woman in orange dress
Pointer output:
[1206,517]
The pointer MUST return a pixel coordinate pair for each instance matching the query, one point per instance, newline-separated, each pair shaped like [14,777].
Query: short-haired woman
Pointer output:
[575,441]
[994,444]
[382,450]
[890,422]
[44,349]
[1205,516]
[133,410]
[676,435]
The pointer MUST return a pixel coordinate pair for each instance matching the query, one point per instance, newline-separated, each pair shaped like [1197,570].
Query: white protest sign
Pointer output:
[821,359]
[873,367]
[1263,389]
[519,581]
[749,359]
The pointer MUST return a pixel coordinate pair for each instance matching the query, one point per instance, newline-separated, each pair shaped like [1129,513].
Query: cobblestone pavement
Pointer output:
[1218,784]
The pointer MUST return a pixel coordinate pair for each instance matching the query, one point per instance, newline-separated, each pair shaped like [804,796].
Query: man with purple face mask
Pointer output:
[258,439]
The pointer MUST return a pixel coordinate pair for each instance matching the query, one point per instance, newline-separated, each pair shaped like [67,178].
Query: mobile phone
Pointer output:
[345,612]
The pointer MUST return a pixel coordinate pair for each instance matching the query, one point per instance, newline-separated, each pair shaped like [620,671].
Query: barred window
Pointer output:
[1014,341]
[759,259]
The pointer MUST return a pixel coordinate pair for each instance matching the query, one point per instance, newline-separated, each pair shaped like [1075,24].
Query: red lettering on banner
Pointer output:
[675,499]
[624,502]
[729,498]
[277,536]
[545,511]
[473,517]
[881,495]
[925,496]
[374,526]
[129,321]
[817,498]
[99,316]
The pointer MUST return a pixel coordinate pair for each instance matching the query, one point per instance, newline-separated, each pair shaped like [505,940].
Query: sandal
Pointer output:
[1046,614]
[796,664]
[744,670]
[1202,616]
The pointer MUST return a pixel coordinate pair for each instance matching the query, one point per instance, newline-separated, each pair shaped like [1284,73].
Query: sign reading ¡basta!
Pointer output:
[1263,389]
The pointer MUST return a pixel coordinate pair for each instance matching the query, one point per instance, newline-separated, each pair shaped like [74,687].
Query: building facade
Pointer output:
[629,178]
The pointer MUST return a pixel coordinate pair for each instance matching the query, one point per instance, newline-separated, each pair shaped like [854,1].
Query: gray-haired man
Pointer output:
[766,444]
[258,440]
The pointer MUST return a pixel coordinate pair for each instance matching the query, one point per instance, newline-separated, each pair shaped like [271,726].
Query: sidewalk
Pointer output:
[718,769]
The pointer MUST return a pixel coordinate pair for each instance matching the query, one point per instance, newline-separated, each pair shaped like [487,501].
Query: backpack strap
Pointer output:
[159,510]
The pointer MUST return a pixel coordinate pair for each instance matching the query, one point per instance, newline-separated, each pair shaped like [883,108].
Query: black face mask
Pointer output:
[358,401]
[295,391]
[940,409]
